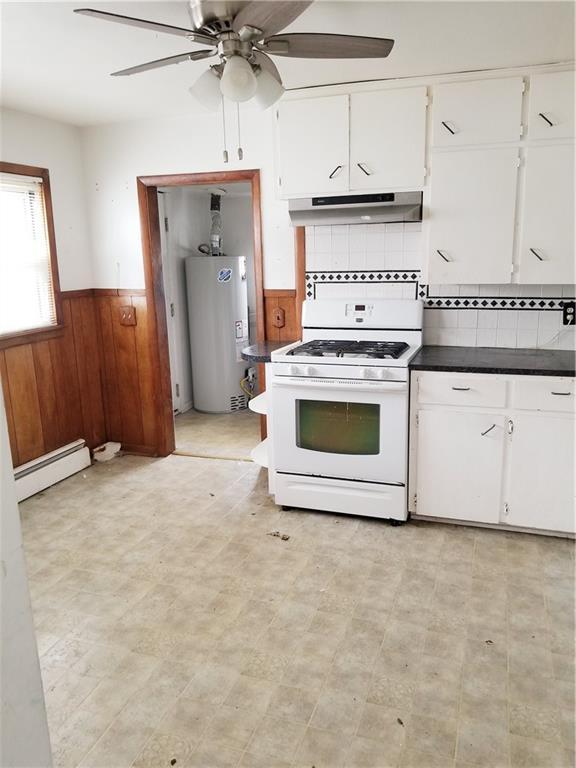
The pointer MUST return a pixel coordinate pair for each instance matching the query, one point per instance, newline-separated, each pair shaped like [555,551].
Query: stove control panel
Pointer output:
[358,313]
[357,372]
[383,374]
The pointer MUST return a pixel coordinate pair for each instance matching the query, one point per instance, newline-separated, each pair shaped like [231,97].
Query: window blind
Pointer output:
[26,289]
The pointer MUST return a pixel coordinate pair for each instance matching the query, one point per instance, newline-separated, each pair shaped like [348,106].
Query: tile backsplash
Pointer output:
[386,260]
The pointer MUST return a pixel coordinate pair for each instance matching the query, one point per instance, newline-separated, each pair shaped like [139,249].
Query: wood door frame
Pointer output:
[147,187]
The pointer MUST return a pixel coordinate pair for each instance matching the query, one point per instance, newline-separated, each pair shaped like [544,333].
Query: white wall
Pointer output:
[31,140]
[24,742]
[116,154]
[188,226]
[238,237]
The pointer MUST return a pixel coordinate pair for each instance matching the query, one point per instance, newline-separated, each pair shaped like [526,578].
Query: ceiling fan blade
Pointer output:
[270,16]
[320,46]
[154,26]
[266,63]
[193,56]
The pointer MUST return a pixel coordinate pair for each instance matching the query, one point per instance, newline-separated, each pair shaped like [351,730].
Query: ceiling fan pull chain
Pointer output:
[225,152]
[240,151]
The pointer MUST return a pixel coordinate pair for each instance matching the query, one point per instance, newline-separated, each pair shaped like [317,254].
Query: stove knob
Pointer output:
[310,371]
[370,373]
[295,370]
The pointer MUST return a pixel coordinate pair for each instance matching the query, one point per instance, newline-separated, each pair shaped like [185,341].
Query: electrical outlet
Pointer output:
[127,315]
[568,311]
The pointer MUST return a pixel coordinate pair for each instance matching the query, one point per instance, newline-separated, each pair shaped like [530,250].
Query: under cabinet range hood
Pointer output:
[384,207]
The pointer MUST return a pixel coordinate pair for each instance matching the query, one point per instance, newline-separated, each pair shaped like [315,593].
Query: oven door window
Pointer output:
[336,427]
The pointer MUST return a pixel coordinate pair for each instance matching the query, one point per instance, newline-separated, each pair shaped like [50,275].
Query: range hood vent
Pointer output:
[380,208]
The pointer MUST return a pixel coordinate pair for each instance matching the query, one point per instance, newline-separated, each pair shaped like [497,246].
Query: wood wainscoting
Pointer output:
[91,379]
[52,388]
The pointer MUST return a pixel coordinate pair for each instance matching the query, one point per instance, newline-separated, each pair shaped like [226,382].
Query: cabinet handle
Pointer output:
[535,252]
[561,394]
[510,426]
[335,171]
[461,389]
[546,119]
[443,256]
[488,430]
[448,128]
[364,169]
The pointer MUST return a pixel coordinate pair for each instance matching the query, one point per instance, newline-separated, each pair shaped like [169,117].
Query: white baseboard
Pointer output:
[51,468]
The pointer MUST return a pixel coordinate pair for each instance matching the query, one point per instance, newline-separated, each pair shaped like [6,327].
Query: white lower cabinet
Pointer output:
[506,458]
[541,472]
[459,465]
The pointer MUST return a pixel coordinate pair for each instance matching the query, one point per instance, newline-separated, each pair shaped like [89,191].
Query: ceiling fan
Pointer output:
[244,35]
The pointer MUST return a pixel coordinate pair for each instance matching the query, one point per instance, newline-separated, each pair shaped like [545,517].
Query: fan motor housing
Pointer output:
[214,16]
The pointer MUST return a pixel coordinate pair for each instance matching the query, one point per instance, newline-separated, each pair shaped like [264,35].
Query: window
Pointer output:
[29,289]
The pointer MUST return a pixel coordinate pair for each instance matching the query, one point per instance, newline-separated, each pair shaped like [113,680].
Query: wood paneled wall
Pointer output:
[285,301]
[127,382]
[90,380]
[52,388]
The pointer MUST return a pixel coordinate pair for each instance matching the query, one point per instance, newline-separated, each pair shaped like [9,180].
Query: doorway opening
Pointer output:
[210,292]
[201,237]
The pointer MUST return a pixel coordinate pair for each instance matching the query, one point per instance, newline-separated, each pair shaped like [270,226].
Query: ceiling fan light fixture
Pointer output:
[238,81]
[268,89]
[207,90]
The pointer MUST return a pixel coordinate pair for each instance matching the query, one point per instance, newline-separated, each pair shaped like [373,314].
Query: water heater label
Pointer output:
[225,275]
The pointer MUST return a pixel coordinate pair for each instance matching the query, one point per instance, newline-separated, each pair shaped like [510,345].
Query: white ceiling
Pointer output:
[57,63]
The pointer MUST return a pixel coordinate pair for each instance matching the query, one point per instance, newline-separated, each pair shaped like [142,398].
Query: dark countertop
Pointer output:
[532,362]
[261,351]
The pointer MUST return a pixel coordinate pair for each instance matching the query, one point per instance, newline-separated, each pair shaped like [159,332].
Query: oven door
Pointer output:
[355,430]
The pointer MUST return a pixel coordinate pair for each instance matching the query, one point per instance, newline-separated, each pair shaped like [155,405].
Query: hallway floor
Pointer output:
[221,435]
[174,630]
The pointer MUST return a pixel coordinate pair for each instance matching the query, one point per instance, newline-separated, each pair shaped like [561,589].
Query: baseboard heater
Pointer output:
[40,473]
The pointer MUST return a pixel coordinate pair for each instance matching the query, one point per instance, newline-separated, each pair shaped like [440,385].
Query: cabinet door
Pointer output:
[313,146]
[477,112]
[472,208]
[387,138]
[547,240]
[459,465]
[551,110]
[541,480]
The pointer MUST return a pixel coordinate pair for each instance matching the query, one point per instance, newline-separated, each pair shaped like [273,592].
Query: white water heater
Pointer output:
[218,319]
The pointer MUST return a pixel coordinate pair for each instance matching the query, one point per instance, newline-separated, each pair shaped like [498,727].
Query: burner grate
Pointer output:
[342,348]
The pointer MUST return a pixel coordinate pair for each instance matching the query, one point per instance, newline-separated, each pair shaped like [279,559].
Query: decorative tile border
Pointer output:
[422,290]
[350,277]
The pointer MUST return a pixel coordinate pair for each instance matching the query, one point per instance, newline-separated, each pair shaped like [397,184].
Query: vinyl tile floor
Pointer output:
[221,435]
[174,630]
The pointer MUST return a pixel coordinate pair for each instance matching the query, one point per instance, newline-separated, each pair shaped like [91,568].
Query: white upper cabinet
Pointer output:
[313,146]
[551,106]
[372,140]
[547,235]
[473,200]
[387,139]
[477,112]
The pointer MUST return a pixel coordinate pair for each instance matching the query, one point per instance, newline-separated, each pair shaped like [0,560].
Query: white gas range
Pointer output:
[338,407]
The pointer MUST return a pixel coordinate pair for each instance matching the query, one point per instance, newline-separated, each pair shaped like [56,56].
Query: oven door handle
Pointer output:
[351,386]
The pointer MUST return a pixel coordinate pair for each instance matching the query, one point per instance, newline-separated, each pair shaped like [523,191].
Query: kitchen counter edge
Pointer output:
[261,351]
[525,362]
